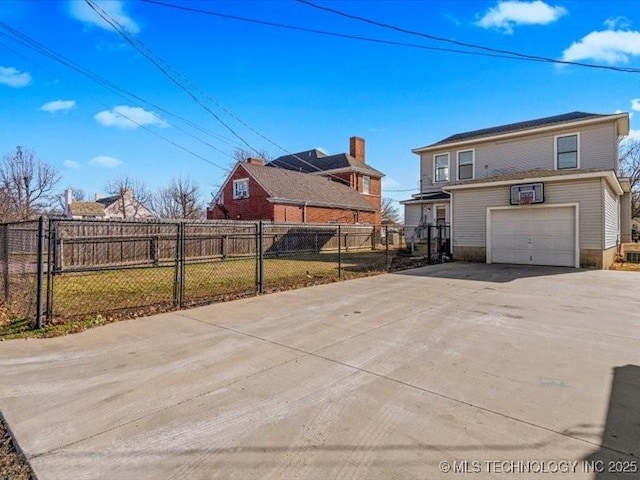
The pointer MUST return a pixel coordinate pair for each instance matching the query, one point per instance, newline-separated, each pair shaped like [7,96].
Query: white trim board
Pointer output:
[576,206]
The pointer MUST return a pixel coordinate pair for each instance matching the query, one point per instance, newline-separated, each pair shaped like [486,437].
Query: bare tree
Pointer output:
[27,183]
[630,168]
[180,199]
[134,198]
[241,155]
[389,212]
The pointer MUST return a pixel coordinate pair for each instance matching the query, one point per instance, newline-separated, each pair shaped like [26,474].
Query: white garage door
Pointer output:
[534,236]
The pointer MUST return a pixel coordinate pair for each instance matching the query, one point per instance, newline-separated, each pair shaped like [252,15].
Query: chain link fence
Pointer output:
[68,269]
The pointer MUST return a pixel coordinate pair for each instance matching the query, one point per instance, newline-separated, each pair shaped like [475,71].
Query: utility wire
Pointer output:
[490,52]
[182,147]
[513,53]
[32,44]
[167,71]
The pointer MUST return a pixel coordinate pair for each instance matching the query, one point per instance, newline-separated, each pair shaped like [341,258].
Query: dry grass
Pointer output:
[626,267]
[86,300]
[13,466]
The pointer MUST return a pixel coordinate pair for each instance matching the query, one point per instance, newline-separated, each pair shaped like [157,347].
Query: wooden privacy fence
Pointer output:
[78,245]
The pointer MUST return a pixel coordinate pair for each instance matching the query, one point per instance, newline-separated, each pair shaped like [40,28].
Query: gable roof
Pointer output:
[515,128]
[106,201]
[86,209]
[287,186]
[314,161]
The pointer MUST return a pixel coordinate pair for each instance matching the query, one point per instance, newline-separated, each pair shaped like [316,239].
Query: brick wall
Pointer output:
[326,215]
[256,207]
[287,213]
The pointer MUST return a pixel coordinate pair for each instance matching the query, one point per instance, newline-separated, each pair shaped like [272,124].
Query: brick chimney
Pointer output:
[356,148]
[255,161]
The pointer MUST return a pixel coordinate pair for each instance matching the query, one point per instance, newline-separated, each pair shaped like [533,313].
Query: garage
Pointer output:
[532,235]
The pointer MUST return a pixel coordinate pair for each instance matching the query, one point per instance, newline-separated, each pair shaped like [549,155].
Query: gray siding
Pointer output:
[598,150]
[625,218]
[470,210]
[611,216]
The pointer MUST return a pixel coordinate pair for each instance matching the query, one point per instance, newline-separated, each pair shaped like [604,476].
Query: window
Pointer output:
[465,165]
[366,184]
[567,151]
[241,188]
[441,167]
[441,215]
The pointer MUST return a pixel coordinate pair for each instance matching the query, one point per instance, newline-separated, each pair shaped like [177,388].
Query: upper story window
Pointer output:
[241,188]
[567,151]
[441,167]
[366,184]
[465,165]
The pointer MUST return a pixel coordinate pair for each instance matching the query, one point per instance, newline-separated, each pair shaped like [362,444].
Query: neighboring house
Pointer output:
[540,192]
[306,187]
[106,207]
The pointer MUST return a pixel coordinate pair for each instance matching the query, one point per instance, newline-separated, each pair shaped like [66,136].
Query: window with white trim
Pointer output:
[241,188]
[567,151]
[465,165]
[366,184]
[441,167]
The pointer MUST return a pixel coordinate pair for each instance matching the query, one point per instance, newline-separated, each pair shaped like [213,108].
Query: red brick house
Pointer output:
[306,187]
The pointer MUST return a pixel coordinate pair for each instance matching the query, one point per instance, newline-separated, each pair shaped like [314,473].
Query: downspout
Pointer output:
[304,212]
[450,221]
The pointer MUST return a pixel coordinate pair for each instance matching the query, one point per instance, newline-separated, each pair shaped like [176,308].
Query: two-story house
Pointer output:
[539,192]
[304,187]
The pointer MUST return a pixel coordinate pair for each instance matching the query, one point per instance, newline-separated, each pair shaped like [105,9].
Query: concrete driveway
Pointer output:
[509,369]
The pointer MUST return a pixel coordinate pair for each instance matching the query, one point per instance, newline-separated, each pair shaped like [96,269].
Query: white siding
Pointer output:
[611,216]
[598,150]
[469,224]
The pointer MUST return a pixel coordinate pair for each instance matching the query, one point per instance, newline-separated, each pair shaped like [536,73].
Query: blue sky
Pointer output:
[298,90]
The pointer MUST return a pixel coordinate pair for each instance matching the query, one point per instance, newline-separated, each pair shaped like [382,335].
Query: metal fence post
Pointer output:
[260,257]
[50,265]
[439,239]
[386,246]
[40,272]
[429,244]
[5,261]
[339,252]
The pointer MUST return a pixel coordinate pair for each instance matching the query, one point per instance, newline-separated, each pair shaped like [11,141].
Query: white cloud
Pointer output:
[633,135]
[610,46]
[105,161]
[115,9]
[124,116]
[70,164]
[388,182]
[510,13]
[58,105]
[617,23]
[12,77]
[635,104]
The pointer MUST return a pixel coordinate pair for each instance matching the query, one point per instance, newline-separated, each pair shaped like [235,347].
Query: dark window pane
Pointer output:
[465,158]
[465,172]
[568,144]
[568,160]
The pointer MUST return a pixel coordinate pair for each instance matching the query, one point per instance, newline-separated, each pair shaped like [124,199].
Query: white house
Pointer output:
[538,192]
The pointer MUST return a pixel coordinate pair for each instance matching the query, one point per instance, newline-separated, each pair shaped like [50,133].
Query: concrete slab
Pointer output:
[377,378]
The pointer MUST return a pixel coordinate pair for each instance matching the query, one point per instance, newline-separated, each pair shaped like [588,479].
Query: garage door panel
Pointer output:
[534,236]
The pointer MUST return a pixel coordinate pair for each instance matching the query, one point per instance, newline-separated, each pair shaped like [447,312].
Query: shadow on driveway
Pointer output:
[619,456]
[483,272]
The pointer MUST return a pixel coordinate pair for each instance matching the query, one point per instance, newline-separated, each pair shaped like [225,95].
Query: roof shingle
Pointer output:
[283,184]
[314,161]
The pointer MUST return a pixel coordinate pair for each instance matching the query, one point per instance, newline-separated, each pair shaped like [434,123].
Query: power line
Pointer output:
[512,53]
[490,52]
[32,44]
[321,32]
[167,70]
[182,147]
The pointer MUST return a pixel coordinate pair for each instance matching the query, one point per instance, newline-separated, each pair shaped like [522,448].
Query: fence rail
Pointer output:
[54,270]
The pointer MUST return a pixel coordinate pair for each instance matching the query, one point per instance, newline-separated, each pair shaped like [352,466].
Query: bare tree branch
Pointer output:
[133,197]
[180,199]
[27,183]
[630,168]
[389,212]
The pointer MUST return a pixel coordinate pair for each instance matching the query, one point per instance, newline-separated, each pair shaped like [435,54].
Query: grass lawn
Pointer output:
[96,298]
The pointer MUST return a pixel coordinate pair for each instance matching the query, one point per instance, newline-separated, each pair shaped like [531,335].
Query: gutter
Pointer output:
[304,203]
[526,132]
[608,175]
